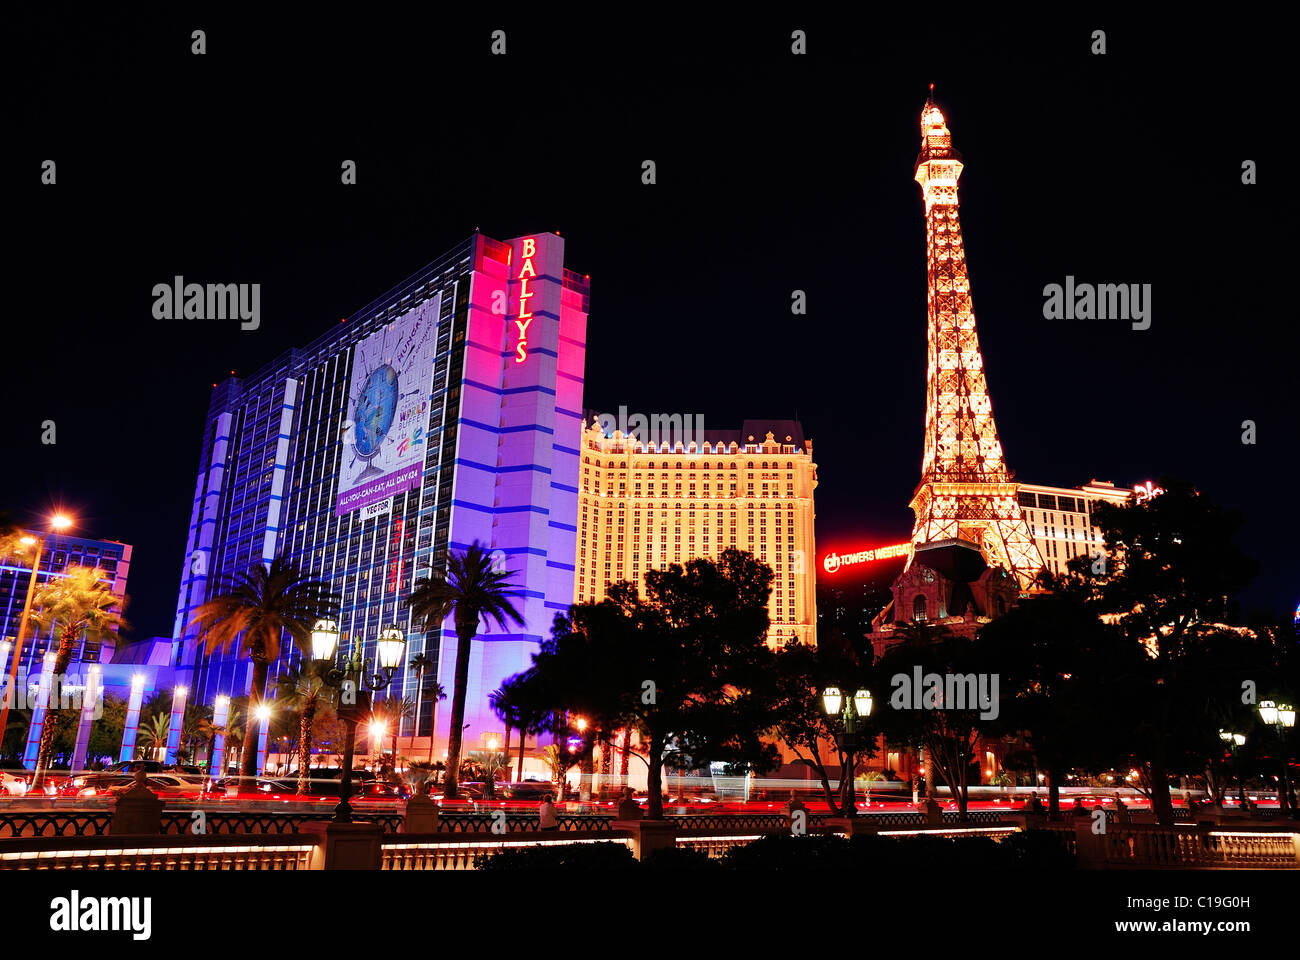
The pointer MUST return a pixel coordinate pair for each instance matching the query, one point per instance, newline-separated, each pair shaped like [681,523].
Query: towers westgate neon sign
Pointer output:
[834,561]
[525,317]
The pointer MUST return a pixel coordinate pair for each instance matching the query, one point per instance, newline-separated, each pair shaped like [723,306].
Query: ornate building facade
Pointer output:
[644,504]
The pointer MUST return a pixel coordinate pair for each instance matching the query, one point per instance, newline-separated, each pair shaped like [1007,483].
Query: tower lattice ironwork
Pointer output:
[966,491]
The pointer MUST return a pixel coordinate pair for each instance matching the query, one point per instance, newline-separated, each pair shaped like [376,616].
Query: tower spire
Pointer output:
[966,491]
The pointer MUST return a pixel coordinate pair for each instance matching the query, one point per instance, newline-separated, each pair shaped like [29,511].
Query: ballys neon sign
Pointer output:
[834,561]
[525,318]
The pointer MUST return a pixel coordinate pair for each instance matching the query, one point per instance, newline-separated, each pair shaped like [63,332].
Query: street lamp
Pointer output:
[1282,717]
[858,707]
[1235,741]
[351,687]
[56,523]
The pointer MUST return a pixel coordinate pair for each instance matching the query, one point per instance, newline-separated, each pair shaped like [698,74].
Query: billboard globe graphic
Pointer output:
[376,410]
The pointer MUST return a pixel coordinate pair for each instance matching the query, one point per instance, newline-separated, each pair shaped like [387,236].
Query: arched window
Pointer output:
[918,607]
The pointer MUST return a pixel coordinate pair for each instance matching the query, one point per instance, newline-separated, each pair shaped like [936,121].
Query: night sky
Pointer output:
[775,173]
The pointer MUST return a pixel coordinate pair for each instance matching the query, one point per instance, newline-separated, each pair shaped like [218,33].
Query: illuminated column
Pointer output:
[39,709]
[90,699]
[174,728]
[132,717]
[220,716]
[264,716]
[5,649]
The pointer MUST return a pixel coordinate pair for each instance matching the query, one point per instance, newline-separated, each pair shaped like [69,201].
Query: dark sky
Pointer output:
[775,173]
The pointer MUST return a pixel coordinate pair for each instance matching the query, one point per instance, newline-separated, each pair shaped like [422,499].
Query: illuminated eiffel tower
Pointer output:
[966,491]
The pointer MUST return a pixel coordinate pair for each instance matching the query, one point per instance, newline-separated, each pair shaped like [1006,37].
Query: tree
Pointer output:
[152,736]
[391,711]
[1172,574]
[106,732]
[948,732]
[422,664]
[77,604]
[1063,677]
[254,614]
[305,691]
[681,664]
[473,592]
[505,703]
[801,673]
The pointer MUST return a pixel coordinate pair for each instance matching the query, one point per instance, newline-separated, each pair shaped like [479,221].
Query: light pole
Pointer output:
[57,522]
[352,687]
[857,707]
[1235,742]
[1281,717]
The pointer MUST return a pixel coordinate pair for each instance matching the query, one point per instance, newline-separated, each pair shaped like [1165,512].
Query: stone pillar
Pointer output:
[138,811]
[648,835]
[346,846]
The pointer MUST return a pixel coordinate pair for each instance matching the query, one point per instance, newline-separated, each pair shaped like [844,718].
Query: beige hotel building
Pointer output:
[1060,519]
[682,493]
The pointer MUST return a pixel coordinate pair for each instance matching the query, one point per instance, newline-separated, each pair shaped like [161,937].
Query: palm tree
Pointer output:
[78,603]
[421,664]
[472,591]
[508,703]
[305,691]
[259,607]
[391,711]
[153,735]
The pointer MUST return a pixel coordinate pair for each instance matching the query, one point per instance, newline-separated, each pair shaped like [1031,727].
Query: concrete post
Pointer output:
[648,835]
[346,846]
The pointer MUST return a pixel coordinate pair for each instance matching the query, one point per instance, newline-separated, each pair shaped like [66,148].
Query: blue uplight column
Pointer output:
[177,720]
[132,717]
[90,701]
[39,709]
[220,717]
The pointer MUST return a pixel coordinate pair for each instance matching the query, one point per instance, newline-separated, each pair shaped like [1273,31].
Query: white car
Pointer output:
[11,785]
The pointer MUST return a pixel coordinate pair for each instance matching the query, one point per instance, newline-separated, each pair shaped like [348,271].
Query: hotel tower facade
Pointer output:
[445,412]
[681,494]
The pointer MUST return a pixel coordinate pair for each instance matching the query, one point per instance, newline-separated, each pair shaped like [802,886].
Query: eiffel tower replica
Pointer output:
[972,553]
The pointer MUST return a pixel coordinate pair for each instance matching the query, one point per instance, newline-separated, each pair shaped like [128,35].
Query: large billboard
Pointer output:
[388,410]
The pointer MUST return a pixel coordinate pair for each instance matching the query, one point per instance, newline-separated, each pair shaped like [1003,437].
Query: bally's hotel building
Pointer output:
[447,411]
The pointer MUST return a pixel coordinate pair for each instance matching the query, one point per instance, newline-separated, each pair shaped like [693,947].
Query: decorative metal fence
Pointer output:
[66,823]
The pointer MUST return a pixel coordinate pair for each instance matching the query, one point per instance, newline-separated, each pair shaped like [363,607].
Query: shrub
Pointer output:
[680,860]
[552,856]
[785,852]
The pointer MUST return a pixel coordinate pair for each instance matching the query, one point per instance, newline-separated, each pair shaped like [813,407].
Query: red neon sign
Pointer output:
[1147,491]
[525,317]
[834,561]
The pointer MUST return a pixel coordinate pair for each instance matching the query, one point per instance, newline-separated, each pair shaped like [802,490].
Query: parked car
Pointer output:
[12,785]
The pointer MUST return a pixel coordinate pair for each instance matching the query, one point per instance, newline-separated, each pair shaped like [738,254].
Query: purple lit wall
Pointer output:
[517,459]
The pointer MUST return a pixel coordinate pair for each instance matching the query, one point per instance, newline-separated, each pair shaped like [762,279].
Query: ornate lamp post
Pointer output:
[352,687]
[858,707]
[1282,717]
[1236,741]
